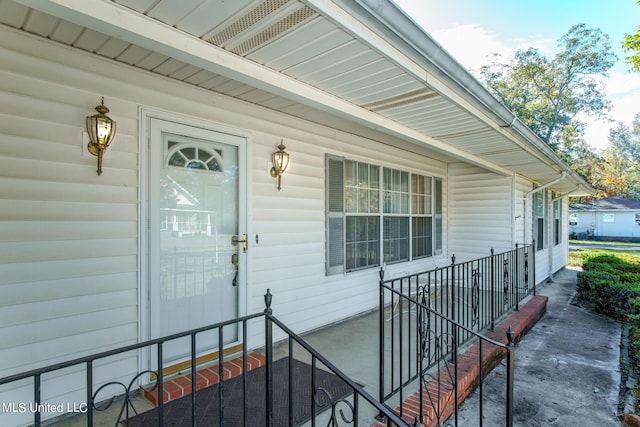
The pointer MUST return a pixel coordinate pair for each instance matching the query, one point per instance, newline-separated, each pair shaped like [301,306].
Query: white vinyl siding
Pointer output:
[70,238]
[522,215]
[290,258]
[480,212]
[553,256]
[561,249]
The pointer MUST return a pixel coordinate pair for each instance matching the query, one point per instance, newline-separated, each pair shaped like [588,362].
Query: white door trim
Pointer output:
[244,155]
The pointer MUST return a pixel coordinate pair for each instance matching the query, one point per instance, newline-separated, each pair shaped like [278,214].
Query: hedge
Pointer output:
[610,285]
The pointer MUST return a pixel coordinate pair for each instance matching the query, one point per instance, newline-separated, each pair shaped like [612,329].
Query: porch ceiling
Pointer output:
[330,62]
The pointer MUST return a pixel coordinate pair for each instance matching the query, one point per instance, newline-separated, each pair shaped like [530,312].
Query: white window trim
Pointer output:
[331,191]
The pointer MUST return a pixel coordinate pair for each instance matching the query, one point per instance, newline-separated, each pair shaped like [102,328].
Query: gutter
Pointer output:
[562,176]
[444,65]
[568,193]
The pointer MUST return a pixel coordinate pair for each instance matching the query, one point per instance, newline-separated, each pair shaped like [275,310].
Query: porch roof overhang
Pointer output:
[361,66]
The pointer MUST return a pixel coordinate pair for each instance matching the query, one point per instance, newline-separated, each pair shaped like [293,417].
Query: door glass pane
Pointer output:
[197,219]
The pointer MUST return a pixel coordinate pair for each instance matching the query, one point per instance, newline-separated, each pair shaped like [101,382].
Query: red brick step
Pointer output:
[439,396]
[179,386]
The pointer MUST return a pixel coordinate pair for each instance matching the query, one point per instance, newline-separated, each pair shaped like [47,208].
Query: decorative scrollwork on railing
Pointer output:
[127,402]
[436,348]
[424,333]
[425,295]
[437,385]
[475,296]
[323,399]
[505,280]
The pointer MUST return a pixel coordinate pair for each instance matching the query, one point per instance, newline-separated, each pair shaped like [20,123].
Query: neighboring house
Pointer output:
[398,158]
[613,218]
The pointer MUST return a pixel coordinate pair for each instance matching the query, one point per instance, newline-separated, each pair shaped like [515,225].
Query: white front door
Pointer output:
[194,213]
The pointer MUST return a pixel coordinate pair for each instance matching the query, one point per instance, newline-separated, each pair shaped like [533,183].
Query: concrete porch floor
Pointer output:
[352,346]
[554,381]
[567,367]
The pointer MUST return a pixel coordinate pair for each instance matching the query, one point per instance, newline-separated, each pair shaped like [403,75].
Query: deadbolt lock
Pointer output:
[235,240]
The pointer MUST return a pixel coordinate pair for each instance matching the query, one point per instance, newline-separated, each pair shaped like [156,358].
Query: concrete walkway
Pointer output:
[567,369]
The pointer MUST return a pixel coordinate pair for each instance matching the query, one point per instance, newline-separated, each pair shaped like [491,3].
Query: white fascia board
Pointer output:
[369,37]
[389,15]
[501,120]
[125,24]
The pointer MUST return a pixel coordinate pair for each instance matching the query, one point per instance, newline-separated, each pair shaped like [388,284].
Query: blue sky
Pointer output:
[471,29]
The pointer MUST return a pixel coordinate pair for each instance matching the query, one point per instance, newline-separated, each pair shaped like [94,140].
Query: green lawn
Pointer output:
[595,242]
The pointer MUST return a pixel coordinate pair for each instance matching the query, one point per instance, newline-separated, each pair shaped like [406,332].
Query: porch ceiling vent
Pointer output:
[402,100]
[268,20]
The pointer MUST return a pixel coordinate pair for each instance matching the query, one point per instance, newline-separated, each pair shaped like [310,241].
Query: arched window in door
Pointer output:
[194,157]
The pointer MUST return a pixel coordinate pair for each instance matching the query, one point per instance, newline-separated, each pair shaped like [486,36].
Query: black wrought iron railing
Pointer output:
[427,319]
[295,385]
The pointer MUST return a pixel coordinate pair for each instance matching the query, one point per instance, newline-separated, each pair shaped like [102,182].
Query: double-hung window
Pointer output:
[557,222]
[539,223]
[378,215]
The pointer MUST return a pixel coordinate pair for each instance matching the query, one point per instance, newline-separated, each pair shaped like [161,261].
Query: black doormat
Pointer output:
[178,412]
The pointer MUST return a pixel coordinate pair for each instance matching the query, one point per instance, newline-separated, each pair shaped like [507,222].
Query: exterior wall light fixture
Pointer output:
[280,163]
[101,129]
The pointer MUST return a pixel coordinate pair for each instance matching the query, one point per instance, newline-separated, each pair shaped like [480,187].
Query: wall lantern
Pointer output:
[280,163]
[101,129]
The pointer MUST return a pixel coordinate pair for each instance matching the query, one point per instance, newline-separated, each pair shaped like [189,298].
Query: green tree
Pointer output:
[549,94]
[576,152]
[631,45]
[621,168]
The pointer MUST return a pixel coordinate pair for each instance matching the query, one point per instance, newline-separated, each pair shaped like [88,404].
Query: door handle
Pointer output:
[235,240]
[234,261]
